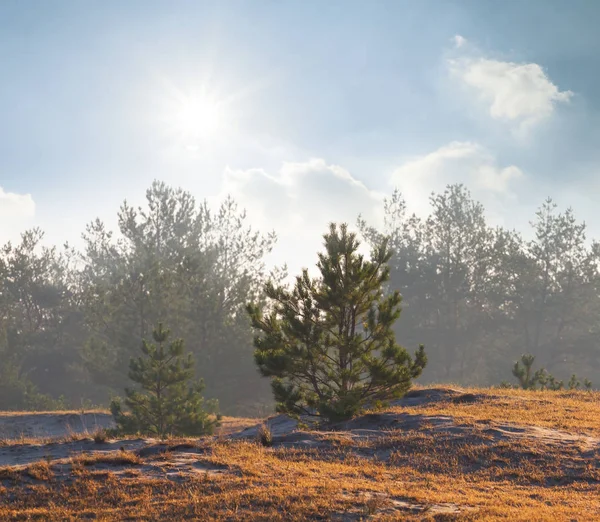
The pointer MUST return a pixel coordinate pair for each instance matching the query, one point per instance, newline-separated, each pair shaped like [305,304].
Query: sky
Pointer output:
[305,112]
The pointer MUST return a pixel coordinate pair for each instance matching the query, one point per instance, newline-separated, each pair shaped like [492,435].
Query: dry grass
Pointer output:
[576,411]
[402,475]
[114,458]
[285,484]
[234,424]
[100,435]
[40,471]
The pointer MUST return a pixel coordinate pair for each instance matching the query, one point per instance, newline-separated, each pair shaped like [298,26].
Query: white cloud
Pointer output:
[16,213]
[457,162]
[459,41]
[301,199]
[299,202]
[521,94]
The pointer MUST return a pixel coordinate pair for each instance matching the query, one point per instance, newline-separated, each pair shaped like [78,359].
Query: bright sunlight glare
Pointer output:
[194,119]
[197,118]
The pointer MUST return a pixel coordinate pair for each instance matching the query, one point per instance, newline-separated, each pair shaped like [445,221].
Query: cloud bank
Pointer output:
[301,199]
[458,162]
[299,202]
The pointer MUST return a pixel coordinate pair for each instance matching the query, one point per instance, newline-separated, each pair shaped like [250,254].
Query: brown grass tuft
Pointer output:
[113,458]
[40,470]
[100,436]
[264,436]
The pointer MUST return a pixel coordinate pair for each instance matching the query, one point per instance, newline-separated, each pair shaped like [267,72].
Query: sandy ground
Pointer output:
[285,431]
[66,441]
[62,435]
[51,424]
[29,437]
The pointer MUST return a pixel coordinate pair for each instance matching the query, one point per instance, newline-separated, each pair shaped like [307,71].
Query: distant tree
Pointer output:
[441,266]
[328,343]
[557,304]
[169,402]
[176,260]
[40,325]
[458,237]
[476,296]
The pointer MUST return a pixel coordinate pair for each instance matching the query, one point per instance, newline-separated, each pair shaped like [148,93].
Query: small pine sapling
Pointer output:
[574,383]
[528,380]
[169,402]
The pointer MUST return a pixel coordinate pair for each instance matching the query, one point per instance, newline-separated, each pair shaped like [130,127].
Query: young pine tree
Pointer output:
[169,402]
[328,343]
[528,380]
[523,371]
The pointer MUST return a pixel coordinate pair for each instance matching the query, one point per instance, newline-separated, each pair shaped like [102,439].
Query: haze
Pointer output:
[306,113]
[299,260]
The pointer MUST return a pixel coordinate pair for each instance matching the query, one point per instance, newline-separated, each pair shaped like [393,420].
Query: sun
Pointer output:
[197,118]
[200,117]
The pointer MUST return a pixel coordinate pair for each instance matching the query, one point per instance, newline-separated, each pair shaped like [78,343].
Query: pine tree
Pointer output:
[522,370]
[528,380]
[574,382]
[170,402]
[328,343]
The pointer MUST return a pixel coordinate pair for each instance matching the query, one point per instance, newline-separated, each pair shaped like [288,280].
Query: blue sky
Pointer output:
[323,108]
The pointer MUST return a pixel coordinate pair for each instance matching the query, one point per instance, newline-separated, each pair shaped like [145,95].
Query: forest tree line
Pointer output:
[476,296]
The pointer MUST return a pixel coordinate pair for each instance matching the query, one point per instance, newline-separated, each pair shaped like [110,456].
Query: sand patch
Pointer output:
[51,425]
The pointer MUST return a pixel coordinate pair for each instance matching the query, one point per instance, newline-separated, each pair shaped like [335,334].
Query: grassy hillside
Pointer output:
[577,411]
[439,454]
